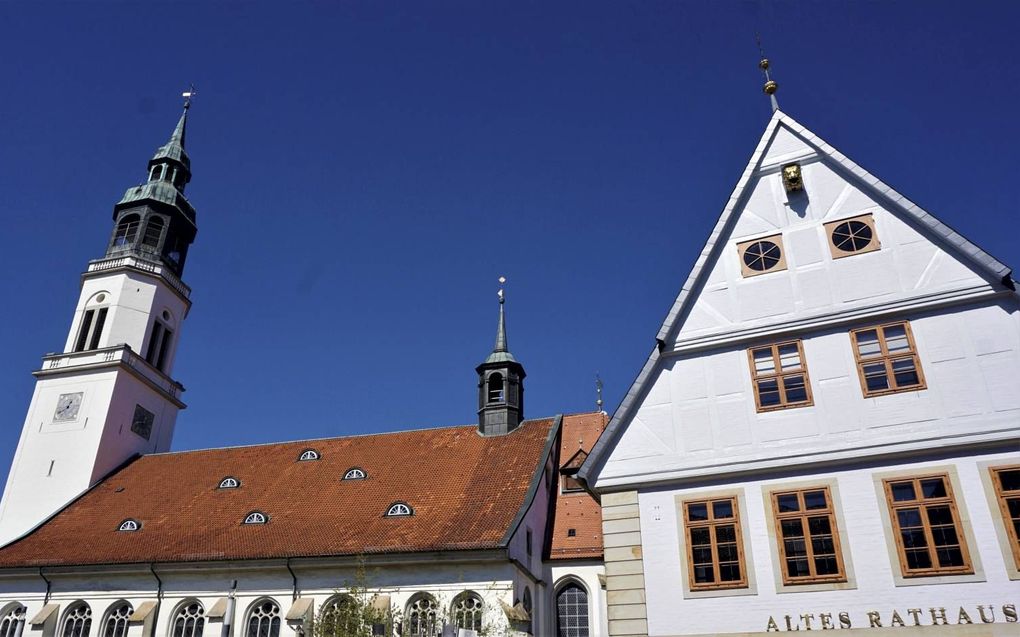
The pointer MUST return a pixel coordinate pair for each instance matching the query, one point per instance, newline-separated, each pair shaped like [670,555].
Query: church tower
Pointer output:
[110,395]
[500,384]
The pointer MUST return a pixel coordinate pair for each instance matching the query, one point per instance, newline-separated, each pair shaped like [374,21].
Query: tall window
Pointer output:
[572,611]
[339,616]
[808,537]
[189,620]
[153,231]
[467,611]
[1006,481]
[887,359]
[77,621]
[127,230]
[715,553]
[495,388]
[116,623]
[929,537]
[156,172]
[159,345]
[264,620]
[13,621]
[91,329]
[780,376]
[422,616]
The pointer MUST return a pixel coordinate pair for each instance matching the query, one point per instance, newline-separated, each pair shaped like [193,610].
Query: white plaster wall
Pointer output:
[670,613]
[587,574]
[535,520]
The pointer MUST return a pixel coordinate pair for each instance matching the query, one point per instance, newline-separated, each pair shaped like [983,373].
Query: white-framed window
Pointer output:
[77,621]
[467,610]
[354,473]
[308,454]
[572,611]
[229,482]
[256,517]
[116,622]
[129,525]
[398,509]
[422,616]
[13,621]
[189,620]
[263,619]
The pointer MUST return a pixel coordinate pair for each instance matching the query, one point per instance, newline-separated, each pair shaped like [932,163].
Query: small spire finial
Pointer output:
[598,392]
[771,86]
[187,95]
[502,282]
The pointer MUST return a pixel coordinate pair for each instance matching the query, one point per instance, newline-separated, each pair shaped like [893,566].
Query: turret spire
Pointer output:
[500,383]
[501,330]
[771,86]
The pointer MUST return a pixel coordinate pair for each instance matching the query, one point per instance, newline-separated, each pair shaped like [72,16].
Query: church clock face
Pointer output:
[141,424]
[67,407]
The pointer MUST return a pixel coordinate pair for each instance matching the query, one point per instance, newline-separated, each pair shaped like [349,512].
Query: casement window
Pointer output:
[929,536]
[1006,482]
[887,360]
[808,536]
[779,375]
[759,256]
[852,236]
[715,551]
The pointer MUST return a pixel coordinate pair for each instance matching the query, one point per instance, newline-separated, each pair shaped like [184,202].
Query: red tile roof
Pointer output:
[466,491]
[578,511]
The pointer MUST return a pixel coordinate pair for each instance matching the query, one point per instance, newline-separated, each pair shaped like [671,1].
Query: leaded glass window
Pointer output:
[77,621]
[189,621]
[422,616]
[264,620]
[467,611]
[12,622]
[116,623]
[572,611]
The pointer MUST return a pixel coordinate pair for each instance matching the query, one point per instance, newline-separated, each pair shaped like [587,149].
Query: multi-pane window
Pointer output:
[780,376]
[807,536]
[423,616]
[116,623]
[1006,481]
[13,622]
[189,620]
[467,611]
[77,621]
[715,553]
[264,620]
[929,537]
[153,232]
[887,359]
[127,230]
[572,612]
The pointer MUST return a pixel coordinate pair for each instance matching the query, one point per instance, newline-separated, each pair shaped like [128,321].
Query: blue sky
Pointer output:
[363,173]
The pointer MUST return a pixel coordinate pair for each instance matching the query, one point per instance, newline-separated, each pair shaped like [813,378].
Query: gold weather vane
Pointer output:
[188,94]
[771,86]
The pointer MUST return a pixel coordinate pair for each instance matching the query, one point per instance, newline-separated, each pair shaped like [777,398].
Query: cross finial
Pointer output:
[770,86]
[502,282]
[598,392]
[187,95]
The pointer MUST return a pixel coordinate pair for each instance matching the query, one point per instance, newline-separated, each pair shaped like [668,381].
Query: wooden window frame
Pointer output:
[780,375]
[803,514]
[887,358]
[967,568]
[711,524]
[744,245]
[868,220]
[1001,499]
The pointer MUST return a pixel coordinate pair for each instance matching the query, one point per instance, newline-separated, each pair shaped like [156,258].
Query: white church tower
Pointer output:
[109,395]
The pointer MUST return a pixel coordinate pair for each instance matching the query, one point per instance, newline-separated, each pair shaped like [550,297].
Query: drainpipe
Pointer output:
[159,598]
[294,592]
[49,587]
[228,618]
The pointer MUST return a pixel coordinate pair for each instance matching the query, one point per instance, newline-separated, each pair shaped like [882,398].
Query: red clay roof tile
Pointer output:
[578,511]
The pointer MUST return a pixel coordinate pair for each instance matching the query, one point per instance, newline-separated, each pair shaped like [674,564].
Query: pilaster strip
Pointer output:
[625,577]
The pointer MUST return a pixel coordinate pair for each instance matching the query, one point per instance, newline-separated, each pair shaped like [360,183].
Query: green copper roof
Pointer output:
[174,149]
[500,352]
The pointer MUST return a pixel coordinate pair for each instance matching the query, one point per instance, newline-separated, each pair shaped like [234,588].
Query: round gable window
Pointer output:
[852,236]
[762,256]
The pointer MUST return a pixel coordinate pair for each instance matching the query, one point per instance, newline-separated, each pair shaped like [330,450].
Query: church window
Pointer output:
[256,517]
[852,236]
[340,616]
[779,376]
[156,172]
[527,541]
[467,611]
[159,345]
[153,231]
[189,620]
[572,611]
[887,360]
[715,552]
[1006,481]
[91,329]
[526,602]
[77,621]
[495,388]
[808,537]
[308,454]
[929,538]
[229,483]
[354,473]
[127,230]
[423,616]
[398,509]
[13,621]
[129,525]
[116,623]
[264,619]
[761,255]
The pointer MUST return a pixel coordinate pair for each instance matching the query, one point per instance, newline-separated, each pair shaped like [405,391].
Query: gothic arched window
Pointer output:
[572,611]
[467,611]
[264,619]
[77,621]
[422,616]
[153,231]
[495,388]
[339,615]
[127,230]
[13,621]
[189,620]
[116,623]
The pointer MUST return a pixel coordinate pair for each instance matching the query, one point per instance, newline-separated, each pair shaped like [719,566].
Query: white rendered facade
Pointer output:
[694,429]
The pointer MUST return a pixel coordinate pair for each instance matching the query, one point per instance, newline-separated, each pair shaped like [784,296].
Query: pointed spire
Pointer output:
[501,352]
[177,137]
[771,86]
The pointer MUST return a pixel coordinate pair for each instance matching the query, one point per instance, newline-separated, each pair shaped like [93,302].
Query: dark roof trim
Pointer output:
[536,481]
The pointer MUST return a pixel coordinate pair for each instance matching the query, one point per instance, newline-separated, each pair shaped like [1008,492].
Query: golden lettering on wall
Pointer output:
[934,616]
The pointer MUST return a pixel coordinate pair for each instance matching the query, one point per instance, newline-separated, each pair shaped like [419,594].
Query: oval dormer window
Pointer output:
[129,525]
[308,454]
[354,474]
[256,517]
[399,509]
[229,483]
